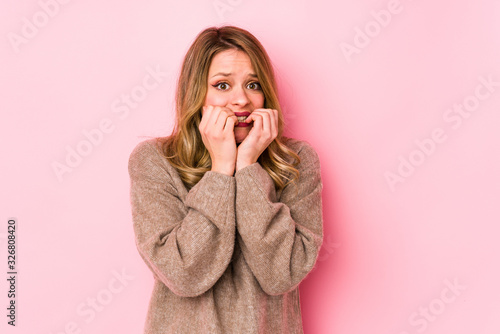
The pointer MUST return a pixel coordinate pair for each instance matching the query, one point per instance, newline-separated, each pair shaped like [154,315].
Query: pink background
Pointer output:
[390,253]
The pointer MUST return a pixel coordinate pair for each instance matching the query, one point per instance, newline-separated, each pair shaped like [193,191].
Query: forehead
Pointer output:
[231,60]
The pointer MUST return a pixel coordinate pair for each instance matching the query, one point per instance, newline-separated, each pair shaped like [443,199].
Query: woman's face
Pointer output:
[232,83]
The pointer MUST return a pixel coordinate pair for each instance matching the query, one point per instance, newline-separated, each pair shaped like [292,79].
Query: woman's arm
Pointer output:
[280,240]
[186,244]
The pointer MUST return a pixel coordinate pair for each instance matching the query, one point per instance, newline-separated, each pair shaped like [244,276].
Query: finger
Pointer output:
[235,120]
[269,124]
[204,117]
[274,123]
[257,122]
[230,124]
[218,119]
[252,117]
[212,121]
[266,119]
[224,116]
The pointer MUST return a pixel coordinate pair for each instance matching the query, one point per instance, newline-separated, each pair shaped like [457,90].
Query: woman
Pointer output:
[227,211]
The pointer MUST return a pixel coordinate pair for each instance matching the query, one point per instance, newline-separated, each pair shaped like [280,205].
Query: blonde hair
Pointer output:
[184,148]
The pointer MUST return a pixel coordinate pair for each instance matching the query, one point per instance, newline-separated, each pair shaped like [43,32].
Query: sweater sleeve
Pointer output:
[280,240]
[186,244]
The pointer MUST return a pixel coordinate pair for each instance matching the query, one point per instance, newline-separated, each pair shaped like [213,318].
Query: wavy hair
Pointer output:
[185,149]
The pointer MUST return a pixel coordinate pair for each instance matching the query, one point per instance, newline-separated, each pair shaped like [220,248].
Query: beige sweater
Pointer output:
[228,255]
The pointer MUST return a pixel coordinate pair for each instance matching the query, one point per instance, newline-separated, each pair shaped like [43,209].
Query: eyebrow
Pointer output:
[224,74]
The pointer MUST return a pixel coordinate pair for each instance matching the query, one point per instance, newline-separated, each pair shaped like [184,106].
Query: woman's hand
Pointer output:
[263,132]
[217,131]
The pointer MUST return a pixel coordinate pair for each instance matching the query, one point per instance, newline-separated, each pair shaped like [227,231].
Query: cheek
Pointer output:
[258,101]
[215,100]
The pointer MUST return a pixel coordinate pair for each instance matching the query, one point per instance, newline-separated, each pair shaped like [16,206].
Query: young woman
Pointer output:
[227,211]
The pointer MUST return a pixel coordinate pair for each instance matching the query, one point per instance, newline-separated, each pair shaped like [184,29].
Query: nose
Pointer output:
[239,97]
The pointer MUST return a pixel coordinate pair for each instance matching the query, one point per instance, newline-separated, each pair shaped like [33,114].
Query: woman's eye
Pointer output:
[254,85]
[221,85]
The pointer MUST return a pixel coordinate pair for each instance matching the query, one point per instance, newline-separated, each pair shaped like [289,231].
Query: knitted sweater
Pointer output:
[228,255]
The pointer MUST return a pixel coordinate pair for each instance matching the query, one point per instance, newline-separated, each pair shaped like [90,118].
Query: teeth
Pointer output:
[242,118]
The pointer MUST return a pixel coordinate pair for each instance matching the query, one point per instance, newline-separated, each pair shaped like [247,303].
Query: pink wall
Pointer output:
[401,99]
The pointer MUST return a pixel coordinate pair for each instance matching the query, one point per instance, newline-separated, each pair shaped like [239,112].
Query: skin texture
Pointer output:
[233,87]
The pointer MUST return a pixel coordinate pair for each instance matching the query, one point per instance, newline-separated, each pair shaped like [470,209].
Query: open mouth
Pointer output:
[242,116]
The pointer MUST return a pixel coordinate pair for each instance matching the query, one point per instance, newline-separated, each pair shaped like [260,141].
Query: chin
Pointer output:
[240,134]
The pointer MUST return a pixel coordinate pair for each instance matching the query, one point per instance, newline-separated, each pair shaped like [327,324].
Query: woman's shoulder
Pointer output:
[302,147]
[146,147]
[147,155]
